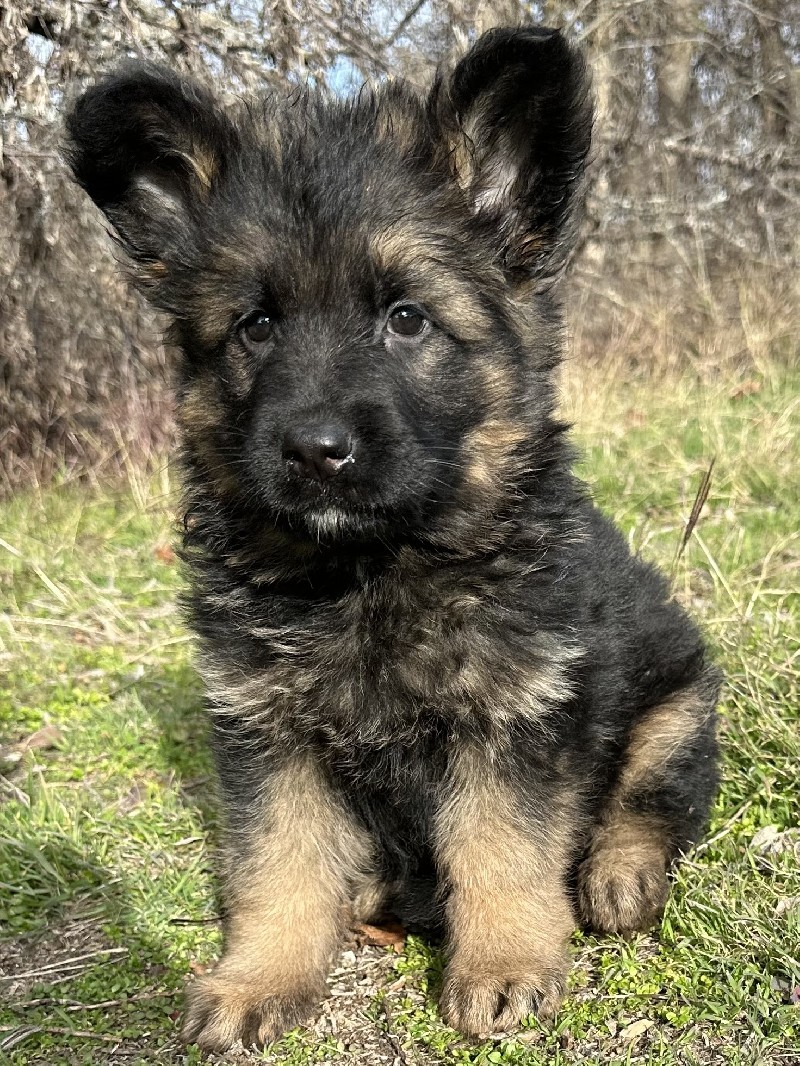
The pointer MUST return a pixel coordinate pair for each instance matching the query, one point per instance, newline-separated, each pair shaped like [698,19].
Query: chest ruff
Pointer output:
[388,662]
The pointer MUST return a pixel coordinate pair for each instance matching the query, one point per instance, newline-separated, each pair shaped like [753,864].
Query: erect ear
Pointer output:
[148,147]
[516,116]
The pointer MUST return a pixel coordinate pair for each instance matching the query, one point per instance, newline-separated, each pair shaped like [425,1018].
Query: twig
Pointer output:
[12,790]
[393,1039]
[699,502]
[403,23]
[76,1005]
[20,1033]
[195,921]
[64,963]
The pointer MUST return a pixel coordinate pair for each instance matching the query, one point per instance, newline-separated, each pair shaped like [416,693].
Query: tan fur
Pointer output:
[396,247]
[508,914]
[239,373]
[200,414]
[201,409]
[487,450]
[416,254]
[149,274]
[369,899]
[476,677]
[660,733]
[204,165]
[286,899]
[216,304]
[489,181]
[461,154]
[623,884]
[212,317]
[498,383]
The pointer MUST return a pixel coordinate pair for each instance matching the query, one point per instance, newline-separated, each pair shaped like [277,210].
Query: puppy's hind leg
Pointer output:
[657,809]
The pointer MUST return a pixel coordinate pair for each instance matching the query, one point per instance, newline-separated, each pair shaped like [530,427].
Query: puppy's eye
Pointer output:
[257,328]
[407,321]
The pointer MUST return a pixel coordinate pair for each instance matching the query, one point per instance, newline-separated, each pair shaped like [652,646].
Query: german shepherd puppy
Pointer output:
[438,682]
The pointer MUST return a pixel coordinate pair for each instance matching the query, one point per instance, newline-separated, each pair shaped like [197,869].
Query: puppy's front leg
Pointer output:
[289,875]
[508,915]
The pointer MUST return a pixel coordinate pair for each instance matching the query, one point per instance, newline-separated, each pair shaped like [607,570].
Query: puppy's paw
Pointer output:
[481,1002]
[224,1008]
[623,896]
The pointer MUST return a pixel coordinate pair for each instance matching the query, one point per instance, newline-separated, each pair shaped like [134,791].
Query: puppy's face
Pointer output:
[355,285]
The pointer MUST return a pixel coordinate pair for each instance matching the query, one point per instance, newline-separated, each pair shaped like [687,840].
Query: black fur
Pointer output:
[449,597]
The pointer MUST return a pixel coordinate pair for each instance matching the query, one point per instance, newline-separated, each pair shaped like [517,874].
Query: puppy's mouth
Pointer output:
[331,511]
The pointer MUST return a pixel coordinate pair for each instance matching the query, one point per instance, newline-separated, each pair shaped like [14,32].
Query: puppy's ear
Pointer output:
[516,117]
[148,147]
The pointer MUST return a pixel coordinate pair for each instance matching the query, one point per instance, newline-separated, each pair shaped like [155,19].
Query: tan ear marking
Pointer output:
[203,163]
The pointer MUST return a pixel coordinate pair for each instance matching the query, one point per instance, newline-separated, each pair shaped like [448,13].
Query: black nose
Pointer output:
[317,451]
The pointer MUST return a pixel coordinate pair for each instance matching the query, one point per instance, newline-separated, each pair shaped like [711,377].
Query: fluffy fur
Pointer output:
[439,683]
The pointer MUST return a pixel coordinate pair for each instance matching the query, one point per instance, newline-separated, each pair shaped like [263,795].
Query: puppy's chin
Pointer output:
[332,523]
[338,525]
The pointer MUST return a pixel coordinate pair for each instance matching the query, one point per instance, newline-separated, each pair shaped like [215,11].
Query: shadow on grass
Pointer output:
[172,695]
[112,893]
[86,973]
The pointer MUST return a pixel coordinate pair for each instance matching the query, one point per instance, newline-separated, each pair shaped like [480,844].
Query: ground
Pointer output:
[107,812]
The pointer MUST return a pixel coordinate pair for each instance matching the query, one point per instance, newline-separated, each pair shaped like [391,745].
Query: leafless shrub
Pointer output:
[690,235]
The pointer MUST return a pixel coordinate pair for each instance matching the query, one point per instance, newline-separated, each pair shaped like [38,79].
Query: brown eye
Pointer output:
[257,328]
[407,322]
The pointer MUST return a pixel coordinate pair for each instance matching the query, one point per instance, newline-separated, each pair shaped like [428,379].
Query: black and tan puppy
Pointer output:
[439,683]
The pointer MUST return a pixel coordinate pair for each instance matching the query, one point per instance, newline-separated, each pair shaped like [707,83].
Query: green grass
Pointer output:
[106,834]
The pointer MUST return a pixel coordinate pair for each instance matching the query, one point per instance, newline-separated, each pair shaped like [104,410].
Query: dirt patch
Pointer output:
[349,1018]
[54,957]
[349,1022]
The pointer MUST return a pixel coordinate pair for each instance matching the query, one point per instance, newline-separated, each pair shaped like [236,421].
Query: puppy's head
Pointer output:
[359,287]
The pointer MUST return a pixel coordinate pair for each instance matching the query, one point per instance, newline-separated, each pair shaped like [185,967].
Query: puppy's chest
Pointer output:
[389,664]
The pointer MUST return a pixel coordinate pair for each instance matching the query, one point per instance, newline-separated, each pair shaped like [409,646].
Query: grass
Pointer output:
[107,819]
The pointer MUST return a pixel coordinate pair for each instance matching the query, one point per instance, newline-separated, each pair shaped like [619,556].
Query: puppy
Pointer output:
[439,683]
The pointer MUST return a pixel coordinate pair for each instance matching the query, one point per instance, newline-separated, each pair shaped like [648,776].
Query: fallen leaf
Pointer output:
[391,935]
[762,840]
[769,840]
[635,1030]
[165,553]
[530,1036]
[49,736]
[745,388]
